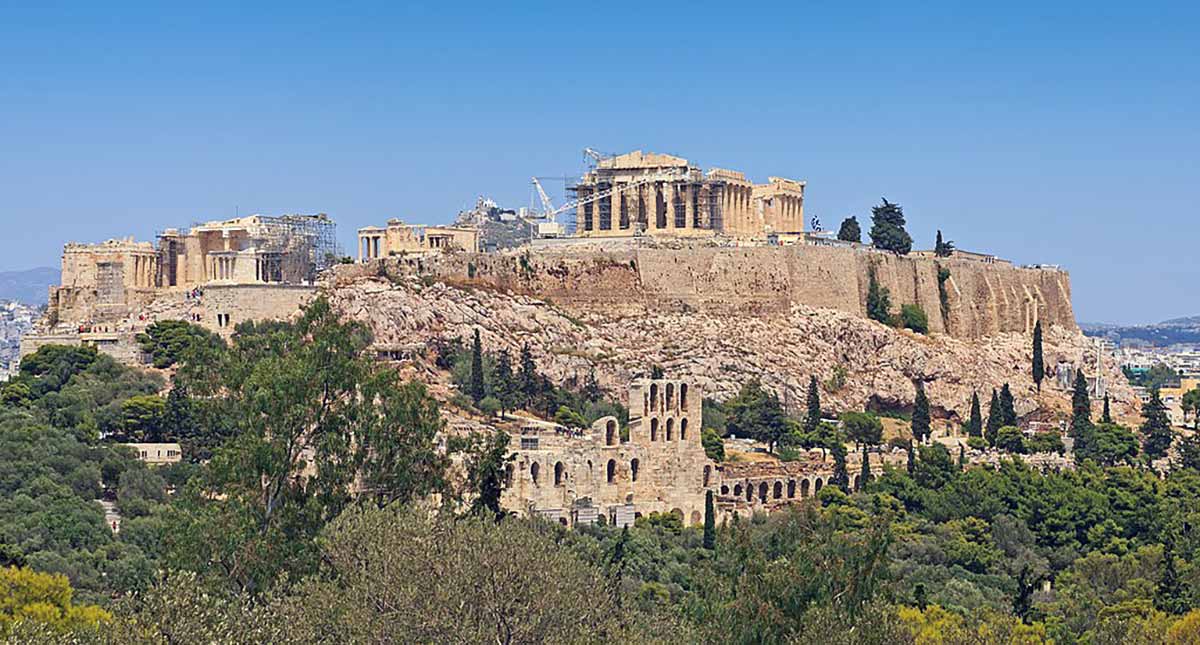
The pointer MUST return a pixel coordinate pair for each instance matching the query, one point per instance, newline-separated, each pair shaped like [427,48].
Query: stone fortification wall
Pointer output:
[980,299]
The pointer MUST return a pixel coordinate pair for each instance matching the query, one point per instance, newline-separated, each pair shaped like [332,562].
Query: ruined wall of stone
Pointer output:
[981,299]
[245,302]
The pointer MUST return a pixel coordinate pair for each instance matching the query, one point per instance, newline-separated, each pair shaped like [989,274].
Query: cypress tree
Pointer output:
[477,388]
[504,385]
[1157,434]
[912,459]
[865,475]
[813,416]
[1106,416]
[1008,413]
[920,415]
[887,228]
[995,419]
[879,299]
[962,456]
[528,378]
[1081,407]
[1169,595]
[710,522]
[975,423]
[1039,365]
[840,477]
[850,231]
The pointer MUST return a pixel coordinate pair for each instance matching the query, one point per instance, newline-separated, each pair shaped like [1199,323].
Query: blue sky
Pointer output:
[1062,134]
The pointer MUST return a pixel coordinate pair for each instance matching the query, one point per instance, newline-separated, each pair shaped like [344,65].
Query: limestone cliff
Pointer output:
[963,298]
[860,362]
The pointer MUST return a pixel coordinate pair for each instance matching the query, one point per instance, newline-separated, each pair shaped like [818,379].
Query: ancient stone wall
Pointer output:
[980,299]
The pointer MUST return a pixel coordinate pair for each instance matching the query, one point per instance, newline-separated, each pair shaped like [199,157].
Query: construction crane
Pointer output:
[595,155]
[547,206]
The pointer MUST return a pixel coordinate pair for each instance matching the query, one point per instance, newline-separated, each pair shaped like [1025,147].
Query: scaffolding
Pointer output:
[298,247]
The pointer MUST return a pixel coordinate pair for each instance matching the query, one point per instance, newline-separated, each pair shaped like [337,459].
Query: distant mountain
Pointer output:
[31,286]
[1190,321]
[1169,332]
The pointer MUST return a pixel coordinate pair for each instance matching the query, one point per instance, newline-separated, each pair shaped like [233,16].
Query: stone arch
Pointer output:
[678,512]
[653,396]
[670,398]
[778,490]
[696,518]
[611,471]
[633,469]
[653,429]
[560,474]
[707,475]
[817,486]
[508,474]
[683,429]
[562,520]
[534,469]
[670,429]
[791,489]
[737,490]
[610,433]
[749,492]
[854,482]
[683,388]
[762,492]
[803,488]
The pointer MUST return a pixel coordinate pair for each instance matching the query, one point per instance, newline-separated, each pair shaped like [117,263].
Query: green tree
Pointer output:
[171,341]
[477,389]
[1108,444]
[920,415]
[840,477]
[879,299]
[714,445]
[995,419]
[757,414]
[1039,364]
[46,599]
[913,317]
[975,421]
[850,230]
[142,418]
[865,475]
[1106,416]
[486,460]
[1170,595]
[942,249]
[1157,433]
[910,462]
[1008,411]
[490,406]
[1191,402]
[529,381]
[710,522]
[813,409]
[887,228]
[863,428]
[1081,415]
[505,387]
[1010,439]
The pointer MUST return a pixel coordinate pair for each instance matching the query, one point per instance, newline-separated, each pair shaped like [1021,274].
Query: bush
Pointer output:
[977,443]
[490,406]
[714,445]
[913,317]
[1009,438]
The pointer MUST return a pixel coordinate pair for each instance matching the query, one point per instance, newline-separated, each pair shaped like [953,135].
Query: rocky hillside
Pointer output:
[859,362]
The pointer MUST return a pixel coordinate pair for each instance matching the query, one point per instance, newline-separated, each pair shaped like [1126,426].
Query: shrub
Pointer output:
[913,317]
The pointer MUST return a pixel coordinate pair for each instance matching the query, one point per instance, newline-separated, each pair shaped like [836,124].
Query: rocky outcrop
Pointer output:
[859,362]
[964,298]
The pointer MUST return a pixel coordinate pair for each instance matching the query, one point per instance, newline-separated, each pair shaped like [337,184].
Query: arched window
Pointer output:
[562,520]
[654,396]
[707,475]
[803,488]
[778,490]
[725,490]
[749,492]
[670,429]
[791,488]
[670,396]
[696,518]
[633,469]
[762,492]
[508,473]
[683,396]
[817,486]
[533,472]
[612,471]
[560,474]
[610,433]
[653,429]
[683,429]
[854,482]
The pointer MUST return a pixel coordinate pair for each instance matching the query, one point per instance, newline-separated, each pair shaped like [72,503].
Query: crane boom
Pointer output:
[649,179]
[547,206]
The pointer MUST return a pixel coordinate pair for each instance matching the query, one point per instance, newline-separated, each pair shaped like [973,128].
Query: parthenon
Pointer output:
[658,194]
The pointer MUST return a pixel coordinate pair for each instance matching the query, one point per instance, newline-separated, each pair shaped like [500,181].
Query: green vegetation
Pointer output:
[170,341]
[941,248]
[850,231]
[879,299]
[756,413]
[975,421]
[1157,377]
[887,228]
[1039,361]
[920,416]
[913,317]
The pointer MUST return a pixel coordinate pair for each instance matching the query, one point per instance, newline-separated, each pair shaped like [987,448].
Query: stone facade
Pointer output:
[398,238]
[663,195]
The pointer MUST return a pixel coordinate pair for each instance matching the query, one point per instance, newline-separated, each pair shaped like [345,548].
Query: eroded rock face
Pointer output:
[858,361]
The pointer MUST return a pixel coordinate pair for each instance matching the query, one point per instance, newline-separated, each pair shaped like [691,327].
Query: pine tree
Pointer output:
[477,388]
[813,416]
[887,228]
[710,522]
[1157,434]
[942,249]
[1039,365]
[850,230]
[1008,412]
[529,382]
[920,415]
[975,424]
[1106,416]
[840,477]
[995,419]
[865,476]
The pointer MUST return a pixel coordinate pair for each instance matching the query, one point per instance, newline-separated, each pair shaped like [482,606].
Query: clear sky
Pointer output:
[1061,134]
